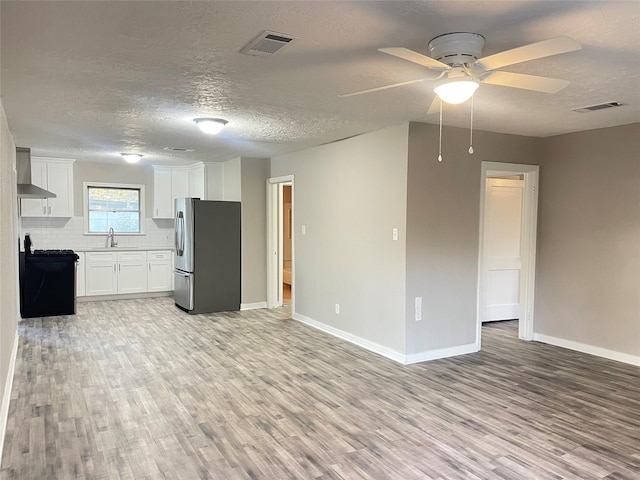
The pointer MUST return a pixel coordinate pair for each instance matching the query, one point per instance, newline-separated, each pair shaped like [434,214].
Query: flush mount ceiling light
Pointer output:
[456,90]
[131,157]
[210,125]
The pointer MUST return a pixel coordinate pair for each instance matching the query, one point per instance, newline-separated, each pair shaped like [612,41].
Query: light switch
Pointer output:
[304,229]
[395,234]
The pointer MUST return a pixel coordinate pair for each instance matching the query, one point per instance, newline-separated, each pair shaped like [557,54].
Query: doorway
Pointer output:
[506,259]
[280,242]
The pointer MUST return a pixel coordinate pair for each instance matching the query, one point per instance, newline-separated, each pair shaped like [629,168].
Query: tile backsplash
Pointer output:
[68,233]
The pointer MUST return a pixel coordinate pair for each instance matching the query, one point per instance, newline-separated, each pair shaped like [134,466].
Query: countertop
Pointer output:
[123,249]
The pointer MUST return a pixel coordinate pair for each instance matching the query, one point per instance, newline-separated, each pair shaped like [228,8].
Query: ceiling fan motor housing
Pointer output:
[460,48]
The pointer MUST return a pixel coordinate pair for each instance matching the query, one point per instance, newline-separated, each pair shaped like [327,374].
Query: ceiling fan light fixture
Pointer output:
[131,157]
[456,90]
[210,125]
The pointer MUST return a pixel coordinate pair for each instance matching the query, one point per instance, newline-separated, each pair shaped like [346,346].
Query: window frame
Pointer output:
[127,186]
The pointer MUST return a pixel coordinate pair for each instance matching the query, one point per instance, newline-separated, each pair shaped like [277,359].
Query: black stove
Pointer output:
[48,283]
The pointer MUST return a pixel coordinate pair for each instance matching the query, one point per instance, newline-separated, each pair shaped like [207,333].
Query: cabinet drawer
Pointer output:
[132,256]
[100,257]
[159,255]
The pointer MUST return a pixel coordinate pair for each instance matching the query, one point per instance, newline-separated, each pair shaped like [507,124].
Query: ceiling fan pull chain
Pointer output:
[471,130]
[440,140]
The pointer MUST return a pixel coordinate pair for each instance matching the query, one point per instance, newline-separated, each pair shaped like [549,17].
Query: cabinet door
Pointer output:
[60,182]
[132,277]
[159,274]
[101,278]
[36,207]
[196,182]
[162,196]
[80,277]
[179,186]
[215,181]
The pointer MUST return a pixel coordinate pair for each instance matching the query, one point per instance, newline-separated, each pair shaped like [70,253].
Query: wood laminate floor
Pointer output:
[136,389]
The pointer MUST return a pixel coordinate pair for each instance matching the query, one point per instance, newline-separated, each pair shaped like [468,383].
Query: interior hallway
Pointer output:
[139,389]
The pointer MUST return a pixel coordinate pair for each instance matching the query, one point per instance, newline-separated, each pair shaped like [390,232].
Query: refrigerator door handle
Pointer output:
[179,234]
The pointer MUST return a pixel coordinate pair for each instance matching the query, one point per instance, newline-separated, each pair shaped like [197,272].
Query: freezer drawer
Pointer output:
[183,289]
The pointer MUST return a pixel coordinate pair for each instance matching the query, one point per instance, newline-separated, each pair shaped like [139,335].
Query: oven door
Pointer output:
[183,289]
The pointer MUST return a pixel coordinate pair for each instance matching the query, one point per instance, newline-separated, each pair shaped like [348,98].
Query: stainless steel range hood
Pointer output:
[25,188]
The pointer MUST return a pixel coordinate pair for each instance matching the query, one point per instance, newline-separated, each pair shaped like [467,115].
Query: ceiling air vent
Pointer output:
[266,43]
[600,106]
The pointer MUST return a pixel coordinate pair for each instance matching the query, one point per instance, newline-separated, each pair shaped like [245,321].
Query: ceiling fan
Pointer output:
[461,69]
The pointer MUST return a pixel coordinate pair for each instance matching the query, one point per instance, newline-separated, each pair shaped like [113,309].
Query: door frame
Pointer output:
[528,243]
[274,241]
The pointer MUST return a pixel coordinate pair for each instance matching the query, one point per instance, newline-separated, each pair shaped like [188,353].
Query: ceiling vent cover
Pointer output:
[266,43]
[600,106]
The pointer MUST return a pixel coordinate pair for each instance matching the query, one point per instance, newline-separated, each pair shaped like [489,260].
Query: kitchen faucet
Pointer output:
[112,236]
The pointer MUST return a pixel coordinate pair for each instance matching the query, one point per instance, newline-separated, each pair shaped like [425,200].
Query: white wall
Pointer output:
[350,195]
[588,277]
[443,218]
[9,306]
[232,180]
[254,174]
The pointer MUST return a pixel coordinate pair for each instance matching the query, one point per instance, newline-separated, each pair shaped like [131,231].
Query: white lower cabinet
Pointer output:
[126,272]
[159,271]
[80,277]
[132,272]
[101,274]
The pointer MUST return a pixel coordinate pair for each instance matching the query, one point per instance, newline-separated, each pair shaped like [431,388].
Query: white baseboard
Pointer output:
[253,306]
[590,349]
[386,351]
[6,398]
[124,296]
[351,338]
[441,353]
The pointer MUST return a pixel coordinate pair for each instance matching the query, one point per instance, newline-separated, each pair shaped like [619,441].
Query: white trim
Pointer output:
[253,306]
[274,267]
[6,398]
[349,337]
[441,353]
[123,296]
[590,349]
[528,245]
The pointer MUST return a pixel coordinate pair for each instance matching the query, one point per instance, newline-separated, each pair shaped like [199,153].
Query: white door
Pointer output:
[60,182]
[36,207]
[502,247]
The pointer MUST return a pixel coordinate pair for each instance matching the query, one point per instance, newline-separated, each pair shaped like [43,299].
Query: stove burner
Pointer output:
[53,252]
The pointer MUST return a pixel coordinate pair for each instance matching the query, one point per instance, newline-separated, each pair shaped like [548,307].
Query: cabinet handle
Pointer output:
[49,212]
[44,209]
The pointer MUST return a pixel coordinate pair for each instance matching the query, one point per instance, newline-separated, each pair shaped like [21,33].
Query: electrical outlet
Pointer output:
[337,309]
[304,230]
[418,309]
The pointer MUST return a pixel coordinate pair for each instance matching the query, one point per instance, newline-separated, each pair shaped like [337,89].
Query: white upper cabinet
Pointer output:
[201,180]
[55,175]
[162,197]
[197,182]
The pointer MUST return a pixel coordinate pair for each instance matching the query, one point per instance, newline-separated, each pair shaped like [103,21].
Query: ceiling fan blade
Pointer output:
[545,48]
[384,87]
[415,57]
[527,82]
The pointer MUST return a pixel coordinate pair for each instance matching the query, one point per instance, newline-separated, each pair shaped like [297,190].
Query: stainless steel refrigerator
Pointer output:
[207,255]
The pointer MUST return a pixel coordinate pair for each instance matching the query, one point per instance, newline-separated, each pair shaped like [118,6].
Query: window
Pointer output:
[120,207]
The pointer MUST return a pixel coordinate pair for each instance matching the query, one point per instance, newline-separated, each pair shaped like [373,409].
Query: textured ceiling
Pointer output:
[88,80]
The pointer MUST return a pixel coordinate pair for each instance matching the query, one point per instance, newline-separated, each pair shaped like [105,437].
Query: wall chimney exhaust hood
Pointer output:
[25,188]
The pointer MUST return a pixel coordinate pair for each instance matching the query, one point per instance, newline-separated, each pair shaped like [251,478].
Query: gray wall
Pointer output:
[103,173]
[443,218]
[350,195]
[254,175]
[9,309]
[233,180]
[588,275]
